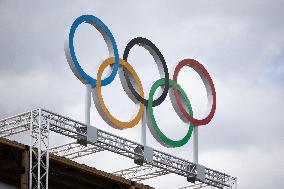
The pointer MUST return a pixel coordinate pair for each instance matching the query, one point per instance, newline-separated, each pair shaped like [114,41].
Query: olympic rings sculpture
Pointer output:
[133,87]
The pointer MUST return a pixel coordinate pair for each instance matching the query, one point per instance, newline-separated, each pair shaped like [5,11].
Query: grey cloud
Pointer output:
[240,43]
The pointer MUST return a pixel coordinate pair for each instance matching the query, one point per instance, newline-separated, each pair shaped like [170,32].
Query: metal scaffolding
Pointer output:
[206,186]
[41,122]
[74,150]
[195,186]
[39,151]
[139,173]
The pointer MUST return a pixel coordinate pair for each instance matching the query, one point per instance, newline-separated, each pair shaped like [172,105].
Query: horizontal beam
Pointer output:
[195,186]
[140,173]
[74,150]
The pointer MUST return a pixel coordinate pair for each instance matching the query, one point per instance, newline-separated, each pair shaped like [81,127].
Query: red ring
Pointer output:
[199,68]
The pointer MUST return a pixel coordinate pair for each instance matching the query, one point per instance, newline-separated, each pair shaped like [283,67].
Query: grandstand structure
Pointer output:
[38,165]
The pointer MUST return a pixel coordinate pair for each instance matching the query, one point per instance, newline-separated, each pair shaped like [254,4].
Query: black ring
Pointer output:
[161,63]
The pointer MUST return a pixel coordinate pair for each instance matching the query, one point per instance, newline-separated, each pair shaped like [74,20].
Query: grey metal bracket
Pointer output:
[144,154]
[92,134]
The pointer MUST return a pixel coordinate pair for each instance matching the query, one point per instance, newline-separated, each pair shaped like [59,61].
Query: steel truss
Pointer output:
[40,122]
[74,150]
[39,150]
[139,173]
[195,186]
[202,185]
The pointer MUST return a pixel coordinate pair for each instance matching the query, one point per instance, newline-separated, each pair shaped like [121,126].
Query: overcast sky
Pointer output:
[241,43]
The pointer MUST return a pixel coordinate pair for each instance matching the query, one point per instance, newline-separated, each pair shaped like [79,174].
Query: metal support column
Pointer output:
[39,151]
[195,144]
[88,104]
[143,128]
[197,168]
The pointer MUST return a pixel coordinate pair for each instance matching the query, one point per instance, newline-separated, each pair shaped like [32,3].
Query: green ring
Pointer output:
[158,134]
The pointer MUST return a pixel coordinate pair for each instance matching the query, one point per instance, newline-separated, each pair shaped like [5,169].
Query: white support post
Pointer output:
[39,151]
[88,105]
[143,128]
[31,152]
[39,138]
[236,183]
[47,156]
[195,144]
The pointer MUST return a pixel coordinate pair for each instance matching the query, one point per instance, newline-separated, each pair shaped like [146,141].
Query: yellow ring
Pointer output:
[110,118]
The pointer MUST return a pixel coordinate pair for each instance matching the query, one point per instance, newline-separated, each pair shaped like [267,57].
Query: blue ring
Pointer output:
[88,79]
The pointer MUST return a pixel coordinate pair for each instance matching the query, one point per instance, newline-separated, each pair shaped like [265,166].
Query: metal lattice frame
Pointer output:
[202,185]
[14,125]
[139,173]
[74,150]
[39,121]
[195,186]
[39,151]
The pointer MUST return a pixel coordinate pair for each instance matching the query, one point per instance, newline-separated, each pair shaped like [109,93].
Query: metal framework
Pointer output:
[41,122]
[74,150]
[195,186]
[39,150]
[202,185]
[139,173]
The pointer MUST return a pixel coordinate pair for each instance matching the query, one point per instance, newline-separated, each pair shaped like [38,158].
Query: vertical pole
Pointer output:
[88,105]
[31,152]
[195,144]
[47,156]
[143,128]
[39,138]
